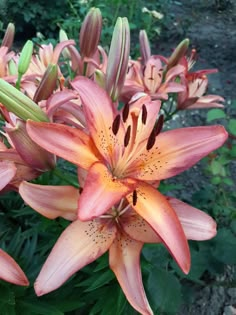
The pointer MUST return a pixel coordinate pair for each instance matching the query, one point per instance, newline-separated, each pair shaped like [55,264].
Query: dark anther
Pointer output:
[80,190]
[159,124]
[135,197]
[151,141]
[125,112]
[144,114]
[116,125]
[127,136]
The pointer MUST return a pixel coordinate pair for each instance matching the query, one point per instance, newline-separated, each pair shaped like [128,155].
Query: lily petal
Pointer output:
[138,229]
[155,209]
[124,259]
[197,224]
[7,172]
[100,114]
[51,201]
[10,271]
[101,191]
[177,150]
[80,244]
[67,142]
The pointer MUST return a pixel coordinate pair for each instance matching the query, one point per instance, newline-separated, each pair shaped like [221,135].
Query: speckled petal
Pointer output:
[155,209]
[176,150]
[124,259]
[80,244]
[51,201]
[10,271]
[101,191]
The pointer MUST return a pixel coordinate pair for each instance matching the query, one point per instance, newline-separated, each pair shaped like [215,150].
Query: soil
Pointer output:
[211,27]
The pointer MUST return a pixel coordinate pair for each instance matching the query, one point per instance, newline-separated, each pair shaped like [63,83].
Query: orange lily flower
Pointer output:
[121,231]
[124,154]
[10,271]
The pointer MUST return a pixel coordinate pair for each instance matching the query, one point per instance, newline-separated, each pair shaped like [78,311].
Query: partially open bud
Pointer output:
[90,33]
[47,84]
[118,58]
[19,104]
[9,36]
[35,156]
[144,46]
[178,53]
[25,57]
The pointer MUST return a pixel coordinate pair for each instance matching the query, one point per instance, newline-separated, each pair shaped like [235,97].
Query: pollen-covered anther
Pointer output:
[116,125]
[144,114]
[125,112]
[127,136]
[135,198]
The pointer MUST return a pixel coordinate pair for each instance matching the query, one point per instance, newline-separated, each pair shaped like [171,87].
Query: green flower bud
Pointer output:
[19,104]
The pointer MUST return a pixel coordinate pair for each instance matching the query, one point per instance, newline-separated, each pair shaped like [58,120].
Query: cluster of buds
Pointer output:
[102,113]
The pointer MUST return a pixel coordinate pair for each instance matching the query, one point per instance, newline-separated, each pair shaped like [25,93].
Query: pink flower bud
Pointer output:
[90,33]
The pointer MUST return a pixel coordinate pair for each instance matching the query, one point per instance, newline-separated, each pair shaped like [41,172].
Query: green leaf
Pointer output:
[101,280]
[228,181]
[225,244]
[232,126]
[215,113]
[215,180]
[164,290]
[39,308]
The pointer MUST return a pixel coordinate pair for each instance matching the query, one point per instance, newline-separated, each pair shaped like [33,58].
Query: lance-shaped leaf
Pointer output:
[90,33]
[29,151]
[118,58]
[19,104]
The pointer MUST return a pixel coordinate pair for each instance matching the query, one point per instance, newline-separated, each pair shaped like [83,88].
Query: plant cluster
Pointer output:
[84,145]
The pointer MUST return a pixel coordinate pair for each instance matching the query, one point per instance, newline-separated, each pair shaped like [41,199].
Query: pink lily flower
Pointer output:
[193,97]
[10,271]
[196,84]
[123,153]
[121,231]
[151,79]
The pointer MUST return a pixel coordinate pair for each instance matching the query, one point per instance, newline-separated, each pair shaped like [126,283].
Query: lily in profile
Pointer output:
[10,271]
[196,84]
[123,154]
[121,231]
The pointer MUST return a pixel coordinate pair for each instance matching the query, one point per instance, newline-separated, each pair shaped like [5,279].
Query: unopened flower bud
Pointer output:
[99,78]
[178,53]
[118,58]
[25,57]
[19,104]
[29,151]
[63,37]
[9,36]
[90,32]
[47,84]
[12,67]
[144,46]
